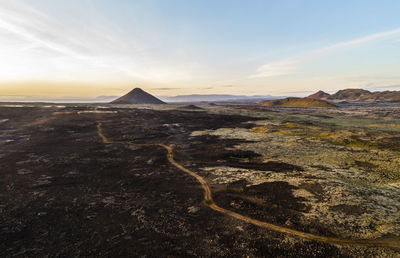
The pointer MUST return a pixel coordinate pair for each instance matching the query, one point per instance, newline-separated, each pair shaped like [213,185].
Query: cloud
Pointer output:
[282,67]
[165,88]
[41,31]
[288,65]
[39,46]
[41,40]
[369,82]
[397,86]
[382,87]
[297,93]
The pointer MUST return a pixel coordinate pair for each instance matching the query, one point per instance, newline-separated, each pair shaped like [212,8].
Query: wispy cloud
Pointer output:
[40,32]
[276,68]
[26,23]
[361,40]
[165,88]
[388,87]
[37,45]
[369,82]
[289,65]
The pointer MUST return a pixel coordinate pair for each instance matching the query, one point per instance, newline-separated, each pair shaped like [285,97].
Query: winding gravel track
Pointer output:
[209,202]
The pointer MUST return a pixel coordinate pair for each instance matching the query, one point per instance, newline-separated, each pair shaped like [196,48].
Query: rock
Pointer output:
[240,228]
[288,222]
[193,209]
[108,200]
[24,171]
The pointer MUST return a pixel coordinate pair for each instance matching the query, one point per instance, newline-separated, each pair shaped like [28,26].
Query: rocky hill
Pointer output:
[319,95]
[357,95]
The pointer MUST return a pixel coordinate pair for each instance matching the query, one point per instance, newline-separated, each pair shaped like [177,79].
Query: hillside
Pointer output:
[297,102]
[357,95]
[319,95]
[387,96]
[350,94]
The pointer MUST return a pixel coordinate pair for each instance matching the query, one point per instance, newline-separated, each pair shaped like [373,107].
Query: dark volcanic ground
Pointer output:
[66,193]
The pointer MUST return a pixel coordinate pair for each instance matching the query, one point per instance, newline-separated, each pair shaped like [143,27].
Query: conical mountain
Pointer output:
[319,95]
[137,96]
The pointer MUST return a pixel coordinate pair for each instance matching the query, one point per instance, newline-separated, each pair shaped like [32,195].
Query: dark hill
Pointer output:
[357,95]
[350,94]
[192,107]
[386,96]
[319,95]
[137,96]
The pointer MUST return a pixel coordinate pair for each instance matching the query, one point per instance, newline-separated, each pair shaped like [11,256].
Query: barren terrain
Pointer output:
[207,180]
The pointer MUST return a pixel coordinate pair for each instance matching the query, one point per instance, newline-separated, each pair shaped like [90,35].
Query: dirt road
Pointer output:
[209,202]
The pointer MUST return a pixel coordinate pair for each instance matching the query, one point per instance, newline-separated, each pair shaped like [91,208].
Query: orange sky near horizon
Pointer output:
[107,48]
[63,89]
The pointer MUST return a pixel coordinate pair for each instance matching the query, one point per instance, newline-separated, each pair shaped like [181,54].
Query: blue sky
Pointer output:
[88,47]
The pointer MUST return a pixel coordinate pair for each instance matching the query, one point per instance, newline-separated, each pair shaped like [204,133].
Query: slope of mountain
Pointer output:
[137,96]
[319,95]
[350,94]
[357,95]
[387,95]
[297,102]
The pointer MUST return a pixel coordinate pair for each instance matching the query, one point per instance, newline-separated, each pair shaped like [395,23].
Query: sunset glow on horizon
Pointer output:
[105,48]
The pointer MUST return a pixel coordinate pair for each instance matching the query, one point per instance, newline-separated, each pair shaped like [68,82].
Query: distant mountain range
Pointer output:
[216,98]
[138,96]
[170,99]
[357,95]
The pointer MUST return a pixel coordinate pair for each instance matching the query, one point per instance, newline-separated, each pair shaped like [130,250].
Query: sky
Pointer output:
[90,48]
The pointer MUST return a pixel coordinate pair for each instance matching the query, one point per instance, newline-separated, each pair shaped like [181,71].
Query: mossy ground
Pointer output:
[351,161]
[329,172]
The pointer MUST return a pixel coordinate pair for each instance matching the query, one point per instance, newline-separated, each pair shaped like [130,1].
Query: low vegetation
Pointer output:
[350,161]
[297,102]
